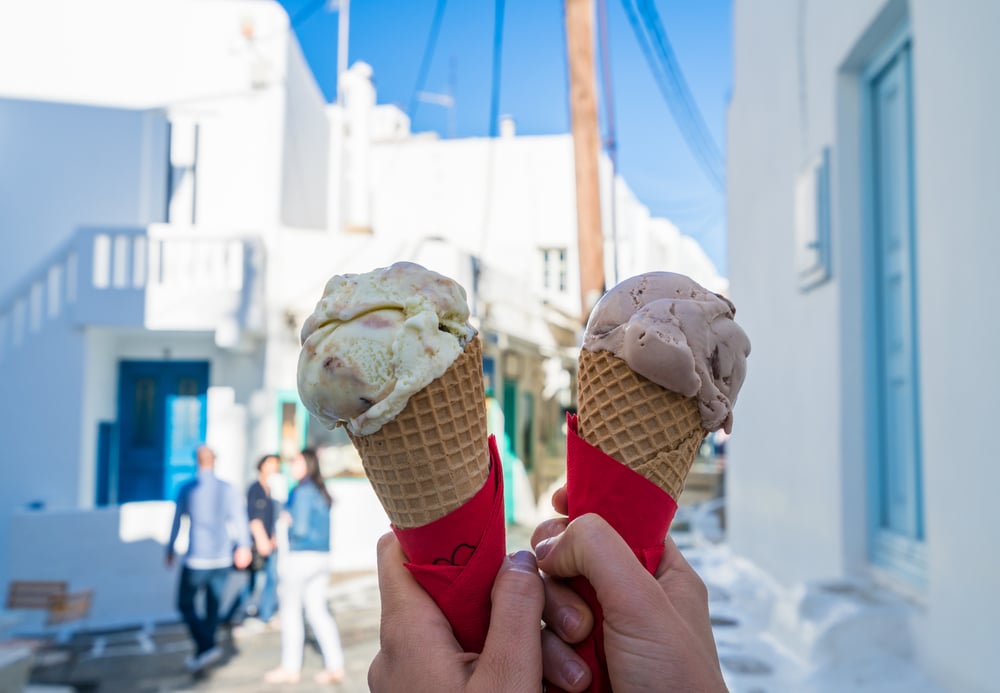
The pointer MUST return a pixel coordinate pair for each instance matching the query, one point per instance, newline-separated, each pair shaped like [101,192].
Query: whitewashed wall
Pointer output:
[797,482]
[188,60]
[40,411]
[505,199]
[498,199]
[958,214]
[66,165]
[131,582]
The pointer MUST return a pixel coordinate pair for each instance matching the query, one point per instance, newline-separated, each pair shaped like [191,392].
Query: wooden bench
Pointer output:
[61,607]
[51,596]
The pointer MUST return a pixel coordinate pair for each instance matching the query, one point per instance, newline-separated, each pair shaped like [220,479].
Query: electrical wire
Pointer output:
[425,61]
[497,60]
[611,140]
[670,79]
[295,20]
[689,120]
[692,120]
[305,13]
[567,89]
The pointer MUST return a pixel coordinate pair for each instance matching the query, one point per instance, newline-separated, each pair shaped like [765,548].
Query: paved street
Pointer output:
[124,666]
[748,609]
[356,606]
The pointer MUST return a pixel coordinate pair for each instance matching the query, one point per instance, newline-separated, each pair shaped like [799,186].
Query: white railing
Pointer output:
[42,296]
[155,277]
[152,257]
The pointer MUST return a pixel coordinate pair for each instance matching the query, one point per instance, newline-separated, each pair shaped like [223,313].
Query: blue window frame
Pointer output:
[897,535]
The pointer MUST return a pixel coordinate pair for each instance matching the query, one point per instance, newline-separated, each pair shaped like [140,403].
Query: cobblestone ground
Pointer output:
[125,667]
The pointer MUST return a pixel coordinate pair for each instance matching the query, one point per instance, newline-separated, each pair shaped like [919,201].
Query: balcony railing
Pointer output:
[156,278]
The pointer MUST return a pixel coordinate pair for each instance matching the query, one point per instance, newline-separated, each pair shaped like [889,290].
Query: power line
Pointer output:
[670,79]
[497,60]
[305,13]
[295,20]
[695,123]
[611,141]
[425,61]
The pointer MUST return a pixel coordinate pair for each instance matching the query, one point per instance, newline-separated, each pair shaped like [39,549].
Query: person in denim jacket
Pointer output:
[304,576]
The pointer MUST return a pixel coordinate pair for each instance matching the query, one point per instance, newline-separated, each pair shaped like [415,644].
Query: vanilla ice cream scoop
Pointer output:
[377,338]
[677,334]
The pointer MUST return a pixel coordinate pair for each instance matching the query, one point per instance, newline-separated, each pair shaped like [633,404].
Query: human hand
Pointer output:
[265,547]
[419,651]
[657,631]
[263,543]
[242,557]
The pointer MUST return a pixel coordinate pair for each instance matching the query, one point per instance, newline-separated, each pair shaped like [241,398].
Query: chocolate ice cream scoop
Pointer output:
[677,334]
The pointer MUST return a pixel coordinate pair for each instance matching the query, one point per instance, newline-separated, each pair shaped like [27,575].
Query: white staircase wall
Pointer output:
[65,165]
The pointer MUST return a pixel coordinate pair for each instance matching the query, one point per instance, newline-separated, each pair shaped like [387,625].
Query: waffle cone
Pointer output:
[653,431]
[433,456]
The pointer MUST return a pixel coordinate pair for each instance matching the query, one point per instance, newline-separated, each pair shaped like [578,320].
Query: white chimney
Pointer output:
[508,128]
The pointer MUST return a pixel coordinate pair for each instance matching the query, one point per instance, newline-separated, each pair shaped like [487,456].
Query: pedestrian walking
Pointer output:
[303,577]
[263,569]
[217,523]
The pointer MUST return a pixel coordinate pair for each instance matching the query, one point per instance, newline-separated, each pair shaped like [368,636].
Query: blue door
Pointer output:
[899,521]
[162,416]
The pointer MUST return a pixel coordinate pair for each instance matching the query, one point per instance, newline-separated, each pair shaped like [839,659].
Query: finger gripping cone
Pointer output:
[653,431]
[433,456]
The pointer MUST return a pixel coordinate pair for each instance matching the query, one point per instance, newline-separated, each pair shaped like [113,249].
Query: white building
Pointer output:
[174,193]
[863,216]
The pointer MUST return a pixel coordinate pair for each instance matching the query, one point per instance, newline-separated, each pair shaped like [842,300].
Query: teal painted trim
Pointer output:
[301,415]
[510,407]
[870,311]
[914,300]
[894,43]
[903,557]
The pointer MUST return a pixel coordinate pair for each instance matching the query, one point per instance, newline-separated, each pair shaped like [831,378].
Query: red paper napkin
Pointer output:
[637,508]
[456,558]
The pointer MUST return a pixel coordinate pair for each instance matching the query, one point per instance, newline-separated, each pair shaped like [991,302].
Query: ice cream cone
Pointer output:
[433,456]
[652,430]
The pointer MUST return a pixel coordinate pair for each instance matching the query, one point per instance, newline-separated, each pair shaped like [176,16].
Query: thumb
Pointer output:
[512,655]
[592,548]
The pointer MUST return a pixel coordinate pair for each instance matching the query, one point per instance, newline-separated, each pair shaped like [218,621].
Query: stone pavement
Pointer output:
[841,630]
[128,663]
[125,665]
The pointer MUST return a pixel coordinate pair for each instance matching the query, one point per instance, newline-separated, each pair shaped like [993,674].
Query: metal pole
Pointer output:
[343,36]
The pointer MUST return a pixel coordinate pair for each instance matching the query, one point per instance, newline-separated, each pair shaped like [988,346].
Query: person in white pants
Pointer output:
[303,577]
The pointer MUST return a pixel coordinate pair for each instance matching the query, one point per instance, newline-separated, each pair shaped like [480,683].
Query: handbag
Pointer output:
[258,562]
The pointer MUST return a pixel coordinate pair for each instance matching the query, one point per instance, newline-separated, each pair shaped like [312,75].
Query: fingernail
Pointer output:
[543,547]
[523,562]
[569,620]
[573,671]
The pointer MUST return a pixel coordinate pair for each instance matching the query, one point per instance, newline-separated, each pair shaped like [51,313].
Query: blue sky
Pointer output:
[390,35]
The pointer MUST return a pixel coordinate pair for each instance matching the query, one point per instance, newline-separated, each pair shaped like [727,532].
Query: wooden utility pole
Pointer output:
[586,149]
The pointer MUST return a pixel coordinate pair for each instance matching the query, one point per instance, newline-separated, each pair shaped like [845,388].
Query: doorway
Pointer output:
[162,418]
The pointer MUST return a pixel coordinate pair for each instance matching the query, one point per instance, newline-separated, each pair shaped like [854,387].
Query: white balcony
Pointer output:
[157,278]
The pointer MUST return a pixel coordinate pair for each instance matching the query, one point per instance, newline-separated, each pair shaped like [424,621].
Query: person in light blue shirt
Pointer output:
[217,522]
[304,575]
